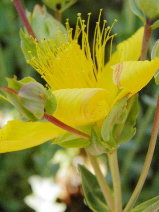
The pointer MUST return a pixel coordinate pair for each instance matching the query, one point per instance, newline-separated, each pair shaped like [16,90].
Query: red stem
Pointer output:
[9,90]
[65,126]
[20,9]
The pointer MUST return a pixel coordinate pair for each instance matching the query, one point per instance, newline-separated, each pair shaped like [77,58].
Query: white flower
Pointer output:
[45,193]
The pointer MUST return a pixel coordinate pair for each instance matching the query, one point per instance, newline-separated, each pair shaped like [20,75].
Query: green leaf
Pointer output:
[118,127]
[151,205]
[155,25]
[128,130]
[92,192]
[111,120]
[71,141]
[155,53]
[136,10]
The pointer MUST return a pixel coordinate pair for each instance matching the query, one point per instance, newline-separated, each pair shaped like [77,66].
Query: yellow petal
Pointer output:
[81,106]
[128,50]
[17,135]
[132,76]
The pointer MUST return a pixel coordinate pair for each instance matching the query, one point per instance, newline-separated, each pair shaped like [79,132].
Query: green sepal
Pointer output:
[155,25]
[110,121]
[92,192]
[95,147]
[69,140]
[136,10]
[157,78]
[155,53]
[28,45]
[50,102]
[45,25]
[118,127]
[151,205]
[18,84]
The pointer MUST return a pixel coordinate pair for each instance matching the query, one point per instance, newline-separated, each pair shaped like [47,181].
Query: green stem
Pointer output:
[114,168]
[147,163]
[138,140]
[102,182]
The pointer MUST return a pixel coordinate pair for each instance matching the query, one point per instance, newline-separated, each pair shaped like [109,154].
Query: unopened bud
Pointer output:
[30,98]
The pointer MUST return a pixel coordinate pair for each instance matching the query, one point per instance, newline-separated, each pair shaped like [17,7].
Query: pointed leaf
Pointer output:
[92,192]
[151,205]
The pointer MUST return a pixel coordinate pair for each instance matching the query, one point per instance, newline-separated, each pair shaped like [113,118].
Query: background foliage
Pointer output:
[16,167]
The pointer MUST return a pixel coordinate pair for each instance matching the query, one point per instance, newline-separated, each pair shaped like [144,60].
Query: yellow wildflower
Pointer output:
[86,87]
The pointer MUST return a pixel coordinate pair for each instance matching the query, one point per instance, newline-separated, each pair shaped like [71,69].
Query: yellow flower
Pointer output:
[86,87]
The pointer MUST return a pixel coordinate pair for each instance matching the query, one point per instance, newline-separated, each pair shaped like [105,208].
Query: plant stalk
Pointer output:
[102,182]
[146,39]
[147,163]
[147,118]
[114,168]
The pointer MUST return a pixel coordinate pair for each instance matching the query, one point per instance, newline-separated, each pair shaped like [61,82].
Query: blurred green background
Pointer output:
[17,167]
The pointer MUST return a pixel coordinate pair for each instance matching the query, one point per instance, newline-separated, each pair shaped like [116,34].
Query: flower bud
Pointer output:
[30,98]
[150,8]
